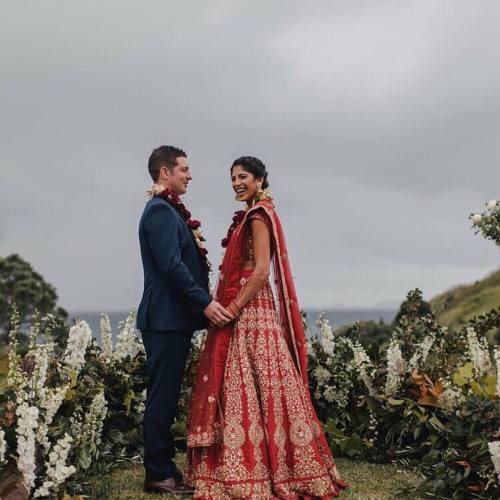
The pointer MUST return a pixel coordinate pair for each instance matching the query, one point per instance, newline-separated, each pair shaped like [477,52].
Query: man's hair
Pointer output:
[163,156]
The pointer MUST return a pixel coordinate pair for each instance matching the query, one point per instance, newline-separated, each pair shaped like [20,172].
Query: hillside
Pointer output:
[455,306]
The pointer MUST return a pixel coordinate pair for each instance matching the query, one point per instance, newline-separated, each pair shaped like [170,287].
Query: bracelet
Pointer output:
[234,308]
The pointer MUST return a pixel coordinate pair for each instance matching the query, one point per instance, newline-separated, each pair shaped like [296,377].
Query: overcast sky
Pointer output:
[379,122]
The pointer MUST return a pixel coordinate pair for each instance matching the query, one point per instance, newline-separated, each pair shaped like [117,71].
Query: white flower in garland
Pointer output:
[478,353]
[79,338]
[127,341]
[395,368]
[57,471]
[494,448]
[27,423]
[3,447]
[106,338]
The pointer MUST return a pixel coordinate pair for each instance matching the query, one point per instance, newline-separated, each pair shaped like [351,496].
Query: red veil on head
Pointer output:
[204,425]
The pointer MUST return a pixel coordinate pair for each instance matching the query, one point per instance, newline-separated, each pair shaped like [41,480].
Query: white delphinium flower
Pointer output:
[362,363]
[51,402]
[395,367]
[41,356]
[79,338]
[478,352]
[15,376]
[476,219]
[327,337]
[491,205]
[127,341]
[321,374]
[94,420]
[3,446]
[34,330]
[494,448]
[27,423]
[496,354]
[422,351]
[106,337]
[57,471]
[75,424]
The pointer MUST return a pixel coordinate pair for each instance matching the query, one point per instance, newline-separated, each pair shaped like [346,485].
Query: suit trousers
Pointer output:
[166,354]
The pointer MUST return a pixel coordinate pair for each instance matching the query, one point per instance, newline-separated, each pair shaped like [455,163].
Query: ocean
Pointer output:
[337,317]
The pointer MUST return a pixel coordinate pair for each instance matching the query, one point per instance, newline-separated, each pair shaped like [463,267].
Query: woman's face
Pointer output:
[245,185]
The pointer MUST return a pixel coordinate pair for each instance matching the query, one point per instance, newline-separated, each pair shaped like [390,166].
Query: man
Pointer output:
[174,304]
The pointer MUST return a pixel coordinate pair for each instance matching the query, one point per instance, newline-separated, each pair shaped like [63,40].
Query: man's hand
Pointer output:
[217,314]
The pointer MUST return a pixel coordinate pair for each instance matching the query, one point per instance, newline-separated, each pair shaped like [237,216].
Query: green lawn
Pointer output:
[368,482]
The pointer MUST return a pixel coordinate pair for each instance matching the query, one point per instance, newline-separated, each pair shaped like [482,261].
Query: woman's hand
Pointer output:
[234,310]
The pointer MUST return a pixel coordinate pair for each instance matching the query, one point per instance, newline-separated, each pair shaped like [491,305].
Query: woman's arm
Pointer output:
[261,239]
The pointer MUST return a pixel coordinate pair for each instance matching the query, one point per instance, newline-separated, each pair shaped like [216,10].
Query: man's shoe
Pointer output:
[170,485]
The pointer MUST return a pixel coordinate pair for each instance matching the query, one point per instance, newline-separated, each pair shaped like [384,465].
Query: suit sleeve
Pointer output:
[163,238]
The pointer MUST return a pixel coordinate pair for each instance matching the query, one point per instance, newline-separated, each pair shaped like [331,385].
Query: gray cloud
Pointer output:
[378,121]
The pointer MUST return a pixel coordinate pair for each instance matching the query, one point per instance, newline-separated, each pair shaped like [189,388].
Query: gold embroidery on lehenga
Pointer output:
[300,434]
[262,384]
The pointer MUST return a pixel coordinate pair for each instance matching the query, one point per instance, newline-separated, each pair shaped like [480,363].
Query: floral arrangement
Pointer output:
[69,407]
[488,222]
[414,402]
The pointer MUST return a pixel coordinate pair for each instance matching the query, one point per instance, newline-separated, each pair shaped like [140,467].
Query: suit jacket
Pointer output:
[175,272]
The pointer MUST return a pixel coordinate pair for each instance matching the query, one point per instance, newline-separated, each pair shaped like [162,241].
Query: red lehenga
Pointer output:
[253,432]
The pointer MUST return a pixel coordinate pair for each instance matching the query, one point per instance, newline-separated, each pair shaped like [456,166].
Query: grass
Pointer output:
[461,303]
[367,481]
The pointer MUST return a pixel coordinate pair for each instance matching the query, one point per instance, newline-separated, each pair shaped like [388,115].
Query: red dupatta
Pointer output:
[204,423]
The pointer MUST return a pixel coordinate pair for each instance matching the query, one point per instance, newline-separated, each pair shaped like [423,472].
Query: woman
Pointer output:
[253,432]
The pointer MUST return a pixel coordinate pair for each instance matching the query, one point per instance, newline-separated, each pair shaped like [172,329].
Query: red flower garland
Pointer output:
[237,218]
[173,198]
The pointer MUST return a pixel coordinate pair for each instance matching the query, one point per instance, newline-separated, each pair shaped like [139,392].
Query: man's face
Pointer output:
[178,179]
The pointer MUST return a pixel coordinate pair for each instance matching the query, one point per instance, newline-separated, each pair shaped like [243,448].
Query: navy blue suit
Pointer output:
[175,295]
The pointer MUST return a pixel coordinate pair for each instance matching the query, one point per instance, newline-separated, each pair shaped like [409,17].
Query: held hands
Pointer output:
[217,314]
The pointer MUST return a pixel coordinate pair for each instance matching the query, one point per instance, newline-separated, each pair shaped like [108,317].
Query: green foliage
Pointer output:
[373,336]
[440,414]
[411,307]
[20,284]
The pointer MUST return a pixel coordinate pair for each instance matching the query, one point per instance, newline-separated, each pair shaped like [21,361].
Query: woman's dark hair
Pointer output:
[164,156]
[254,166]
